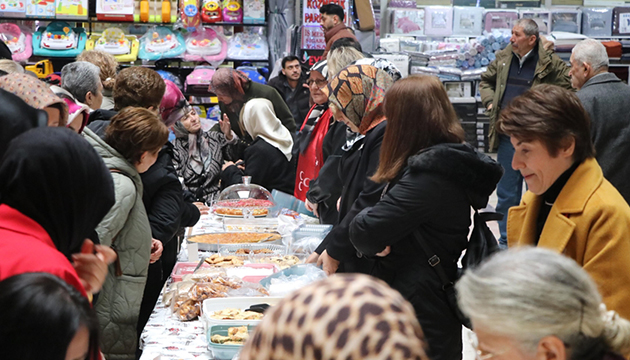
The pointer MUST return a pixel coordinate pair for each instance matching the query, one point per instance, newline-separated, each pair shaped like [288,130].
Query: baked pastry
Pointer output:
[236,336]
[236,314]
[235,238]
[258,207]
[224,261]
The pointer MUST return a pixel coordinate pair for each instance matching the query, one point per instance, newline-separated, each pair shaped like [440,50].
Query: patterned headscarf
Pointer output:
[345,317]
[358,91]
[35,93]
[174,105]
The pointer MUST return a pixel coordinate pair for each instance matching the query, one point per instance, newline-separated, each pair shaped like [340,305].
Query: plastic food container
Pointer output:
[310,230]
[211,305]
[243,200]
[250,225]
[222,351]
[185,268]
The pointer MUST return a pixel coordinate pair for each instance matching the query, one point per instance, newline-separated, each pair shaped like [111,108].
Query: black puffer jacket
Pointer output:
[434,194]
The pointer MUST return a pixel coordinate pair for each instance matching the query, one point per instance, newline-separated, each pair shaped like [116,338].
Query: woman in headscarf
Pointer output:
[268,159]
[348,317]
[198,154]
[45,178]
[38,95]
[356,96]
[234,89]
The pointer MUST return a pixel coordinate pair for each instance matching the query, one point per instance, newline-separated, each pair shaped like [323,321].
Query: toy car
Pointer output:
[19,41]
[211,11]
[161,43]
[232,11]
[206,45]
[199,79]
[114,41]
[42,68]
[59,40]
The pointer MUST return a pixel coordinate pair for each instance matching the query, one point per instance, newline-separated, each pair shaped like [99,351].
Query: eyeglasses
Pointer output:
[471,337]
[320,83]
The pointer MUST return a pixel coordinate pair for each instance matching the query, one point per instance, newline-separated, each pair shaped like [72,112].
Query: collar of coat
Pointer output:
[544,59]
[601,79]
[573,198]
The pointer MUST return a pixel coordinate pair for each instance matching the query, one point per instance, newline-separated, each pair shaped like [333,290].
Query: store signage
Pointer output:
[312,33]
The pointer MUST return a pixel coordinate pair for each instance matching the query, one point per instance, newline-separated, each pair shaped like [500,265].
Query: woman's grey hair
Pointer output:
[340,58]
[529,27]
[592,52]
[529,293]
[11,67]
[79,78]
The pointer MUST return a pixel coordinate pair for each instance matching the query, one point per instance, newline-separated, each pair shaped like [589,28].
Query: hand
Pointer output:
[489,107]
[91,265]
[226,165]
[312,259]
[311,207]
[329,265]
[240,164]
[203,209]
[385,252]
[226,127]
[156,250]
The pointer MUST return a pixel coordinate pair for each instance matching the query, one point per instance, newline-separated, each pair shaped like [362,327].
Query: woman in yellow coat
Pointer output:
[570,207]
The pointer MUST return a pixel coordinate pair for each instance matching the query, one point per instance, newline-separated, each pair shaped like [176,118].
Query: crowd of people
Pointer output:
[93,199]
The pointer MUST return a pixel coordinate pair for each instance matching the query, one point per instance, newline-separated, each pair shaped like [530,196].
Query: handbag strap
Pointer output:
[433,260]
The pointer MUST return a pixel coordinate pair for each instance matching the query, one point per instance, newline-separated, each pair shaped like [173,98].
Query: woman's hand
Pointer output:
[311,207]
[226,127]
[312,259]
[226,165]
[328,264]
[91,265]
[156,250]
[203,209]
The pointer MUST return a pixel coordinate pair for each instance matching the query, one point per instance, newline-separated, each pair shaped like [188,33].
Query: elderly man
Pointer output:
[522,64]
[606,99]
[333,26]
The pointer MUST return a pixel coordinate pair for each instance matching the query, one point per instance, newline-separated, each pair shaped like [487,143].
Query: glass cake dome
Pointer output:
[239,199]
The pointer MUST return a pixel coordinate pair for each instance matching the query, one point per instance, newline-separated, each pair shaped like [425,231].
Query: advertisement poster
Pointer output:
[312,33]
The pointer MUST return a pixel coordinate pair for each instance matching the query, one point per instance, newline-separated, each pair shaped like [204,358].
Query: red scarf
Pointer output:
[312,160]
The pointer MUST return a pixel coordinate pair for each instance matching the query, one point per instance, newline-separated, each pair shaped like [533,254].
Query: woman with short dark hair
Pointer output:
[431,180]
[570,207]
[43,317]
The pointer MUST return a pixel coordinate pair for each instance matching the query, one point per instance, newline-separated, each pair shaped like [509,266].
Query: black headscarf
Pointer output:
[17,117]
[56,178]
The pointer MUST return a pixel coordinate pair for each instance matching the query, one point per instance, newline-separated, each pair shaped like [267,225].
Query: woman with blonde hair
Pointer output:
[108,67]
[431,180]
[531,303]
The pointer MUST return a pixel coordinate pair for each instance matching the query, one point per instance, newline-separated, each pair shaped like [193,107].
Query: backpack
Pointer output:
[481,245]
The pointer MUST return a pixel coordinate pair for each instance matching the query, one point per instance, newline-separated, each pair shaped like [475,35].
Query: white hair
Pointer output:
[11,67]
[341,57]
[592,52]
[529,293]
[79,78]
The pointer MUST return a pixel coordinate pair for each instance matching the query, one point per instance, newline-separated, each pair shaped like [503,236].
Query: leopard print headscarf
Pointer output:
[344,317]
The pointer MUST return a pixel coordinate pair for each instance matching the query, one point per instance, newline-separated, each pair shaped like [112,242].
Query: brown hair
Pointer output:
[419,115]
[135,130]
[106,63]
[550,114]
[138,86]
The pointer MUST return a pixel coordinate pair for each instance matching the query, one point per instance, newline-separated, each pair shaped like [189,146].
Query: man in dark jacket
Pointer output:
[291,84]
[331,21]
[522,64]
[605,99]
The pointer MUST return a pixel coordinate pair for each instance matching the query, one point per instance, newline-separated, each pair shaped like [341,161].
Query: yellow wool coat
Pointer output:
[590,223]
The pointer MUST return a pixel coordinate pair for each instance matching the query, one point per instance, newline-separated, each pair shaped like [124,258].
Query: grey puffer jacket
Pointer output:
[126,227]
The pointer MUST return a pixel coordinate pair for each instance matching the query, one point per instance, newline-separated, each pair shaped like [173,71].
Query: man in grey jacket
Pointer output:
[607,101]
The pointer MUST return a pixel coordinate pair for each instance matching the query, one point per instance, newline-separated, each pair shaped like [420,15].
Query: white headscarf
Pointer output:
[260,120]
